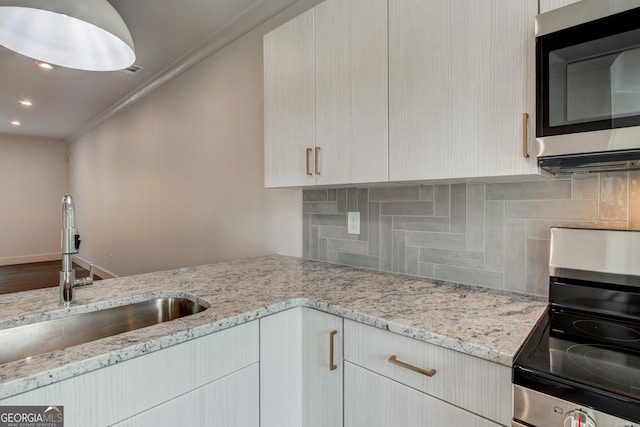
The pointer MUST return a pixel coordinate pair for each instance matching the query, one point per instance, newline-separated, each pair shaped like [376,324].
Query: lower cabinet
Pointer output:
[473,384]
[217,372]
[231,401]
[301,371]
[372,400]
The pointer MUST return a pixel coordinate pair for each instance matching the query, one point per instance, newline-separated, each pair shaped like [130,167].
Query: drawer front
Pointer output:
[372,400]
[474,384]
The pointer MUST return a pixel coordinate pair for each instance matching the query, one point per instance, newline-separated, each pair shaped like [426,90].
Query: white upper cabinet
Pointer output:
[461,76]
[289,102]
[326,96]
[547,5]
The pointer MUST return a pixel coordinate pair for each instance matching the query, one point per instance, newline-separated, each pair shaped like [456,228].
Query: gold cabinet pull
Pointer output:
[332,365]
[307,159]
[525,137]
[316,161]
[429,373]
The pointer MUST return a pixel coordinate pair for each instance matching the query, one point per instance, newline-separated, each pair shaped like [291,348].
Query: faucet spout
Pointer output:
[70,244]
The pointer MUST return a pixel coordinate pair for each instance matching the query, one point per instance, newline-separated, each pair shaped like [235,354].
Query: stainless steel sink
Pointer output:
[42,337]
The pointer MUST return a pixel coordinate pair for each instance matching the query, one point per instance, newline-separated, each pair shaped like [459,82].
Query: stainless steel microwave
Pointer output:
[588,86]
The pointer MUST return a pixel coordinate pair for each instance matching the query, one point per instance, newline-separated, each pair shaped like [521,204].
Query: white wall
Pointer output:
[177,178]
[33,178]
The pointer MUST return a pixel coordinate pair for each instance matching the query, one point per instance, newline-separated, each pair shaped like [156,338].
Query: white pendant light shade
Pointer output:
[81,34]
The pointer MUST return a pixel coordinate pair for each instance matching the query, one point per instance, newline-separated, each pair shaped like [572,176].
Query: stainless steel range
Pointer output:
[580,366]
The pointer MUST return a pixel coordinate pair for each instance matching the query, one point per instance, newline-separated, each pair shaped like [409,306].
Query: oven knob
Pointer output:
[578,418]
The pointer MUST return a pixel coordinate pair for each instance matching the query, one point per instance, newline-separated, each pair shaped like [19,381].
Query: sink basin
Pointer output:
[42,337]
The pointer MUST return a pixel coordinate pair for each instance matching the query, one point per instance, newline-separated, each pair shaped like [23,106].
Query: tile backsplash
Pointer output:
[494,235]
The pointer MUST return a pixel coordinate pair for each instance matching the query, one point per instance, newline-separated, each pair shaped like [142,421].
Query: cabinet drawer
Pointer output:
[474,384]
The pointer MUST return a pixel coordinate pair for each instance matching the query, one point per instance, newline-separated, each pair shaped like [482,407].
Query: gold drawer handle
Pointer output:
[525,137]
[429,373]
[332,365]
[309,150]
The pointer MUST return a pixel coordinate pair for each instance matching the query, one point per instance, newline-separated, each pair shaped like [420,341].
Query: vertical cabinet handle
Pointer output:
[427,372]
[307,161]
[332,365]
[525,137]
[317,169]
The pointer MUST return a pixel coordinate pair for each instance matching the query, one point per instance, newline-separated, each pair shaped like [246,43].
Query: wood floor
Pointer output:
[24,277]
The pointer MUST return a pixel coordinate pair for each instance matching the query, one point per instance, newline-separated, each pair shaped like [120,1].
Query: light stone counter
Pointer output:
[480,322]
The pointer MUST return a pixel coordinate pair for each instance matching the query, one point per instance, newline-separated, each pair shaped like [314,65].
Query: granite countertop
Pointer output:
[481,322]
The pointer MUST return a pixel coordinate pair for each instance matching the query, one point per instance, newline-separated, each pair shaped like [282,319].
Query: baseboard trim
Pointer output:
[98,271]
[26,259]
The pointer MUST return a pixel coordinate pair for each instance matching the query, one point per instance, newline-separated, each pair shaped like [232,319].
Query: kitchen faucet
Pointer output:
[70,246]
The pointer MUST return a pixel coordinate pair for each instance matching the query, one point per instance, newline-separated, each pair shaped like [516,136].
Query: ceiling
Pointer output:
[169,37]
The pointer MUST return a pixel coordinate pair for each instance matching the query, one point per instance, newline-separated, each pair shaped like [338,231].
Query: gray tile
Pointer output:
[458,208]
[335,220]
[341,200]
[585,186]
[421,223]
[390,194]
[411,261]
[374,229]
[322,249]
[475,217]
[314,195]
[426,192]
[347,246]
[363,208]
[456,258]
[313,246]
[319,208]
[332,232]
[614,196]
[406,208]
[386,244]
[306,236]
[544,190]
[398,251]
[331,195]
[494,237]
[441,200]
[537,265]
[541,229]
[557,209]
[468,276]
[426,270]
[514,255]
[352,199]
[362,261]
[436,240]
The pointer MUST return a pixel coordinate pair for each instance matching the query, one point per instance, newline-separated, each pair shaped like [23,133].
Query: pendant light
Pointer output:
[81,34]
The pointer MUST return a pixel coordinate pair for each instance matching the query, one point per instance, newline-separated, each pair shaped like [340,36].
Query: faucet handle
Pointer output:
[85,280]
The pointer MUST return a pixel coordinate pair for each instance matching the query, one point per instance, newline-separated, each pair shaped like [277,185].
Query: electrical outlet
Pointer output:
[353,222]
[110,259]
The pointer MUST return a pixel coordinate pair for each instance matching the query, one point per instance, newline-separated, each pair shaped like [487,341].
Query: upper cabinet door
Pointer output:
[351,91]
[547,5]
[326,96]
[462,74]
[289,103]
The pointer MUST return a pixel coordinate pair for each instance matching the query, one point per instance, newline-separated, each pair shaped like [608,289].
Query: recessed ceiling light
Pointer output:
[26,103]
[45,65]
[15,122]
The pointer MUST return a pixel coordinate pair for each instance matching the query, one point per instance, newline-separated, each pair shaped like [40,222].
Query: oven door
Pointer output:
[588,80]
